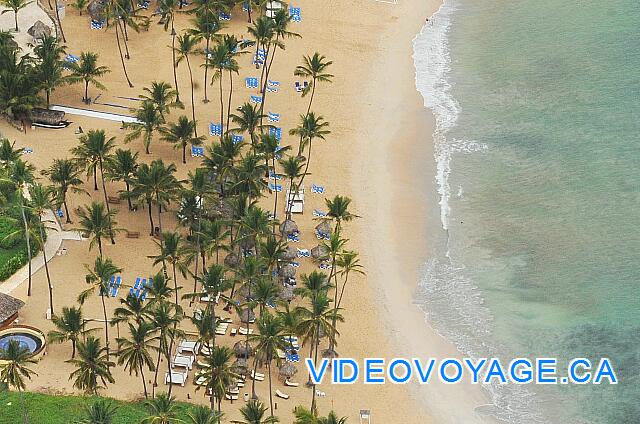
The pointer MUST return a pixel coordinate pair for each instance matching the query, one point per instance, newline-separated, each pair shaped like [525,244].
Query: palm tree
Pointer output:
[87,70]
[168,14]
[98,278]
[50,68]
[18,85]
[163,96]
[14,361]
[165,318]
[281,21]
[122,167]
[187,44]
[101,411]
[199,414]
[97,223]
[313,67]
[133,309]
[69,327]
[134,353]
[206,25]
[262,32]
[234,48]
[268,341]
[213,233]
[347,262]
[248,118]
[334,248]
[305,416]
[172,250]
[64,175]
[180,134]
[21,175]
[218,59]
[93,368]
[162,410]
[217,373]
[290,322]
[93,152]
[8,154]
[310,127]
[314,320]
[114,13]
[41,203]
[80,5]
[254,413]
[291,169]
[338,210]
[148,120]
[270,147]
[15,6]
[249,176]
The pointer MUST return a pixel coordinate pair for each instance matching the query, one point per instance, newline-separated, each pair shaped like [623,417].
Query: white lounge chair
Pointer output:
[290,384]
[257,376]
[282,395]
[176,378]
[231,397]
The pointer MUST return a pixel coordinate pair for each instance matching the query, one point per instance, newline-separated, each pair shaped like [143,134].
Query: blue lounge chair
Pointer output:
[137,284]
[318,213]
[317,189]
[251,82]
[224,16]
[256,99]
[275,187]
[301,87]
[197,152]
[215,129]
[274,117]
[237,138]
[274,176]
[276,132]
[60,213]
[97,24]
[294,12]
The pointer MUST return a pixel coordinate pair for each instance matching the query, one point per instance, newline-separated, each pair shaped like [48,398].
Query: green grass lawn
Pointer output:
[49,409]
[10,249]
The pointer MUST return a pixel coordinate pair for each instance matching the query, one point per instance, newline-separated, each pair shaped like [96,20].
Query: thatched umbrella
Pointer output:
[248,243]
[288,227]
[287,271]
[9,307]
[287,371]
[290,253]
[243,349]
[232,260]
[319,252]
[96,10]
[243,292]
[241,366]
[324,228]
[286,293]
[11,43]
[329,353]
[247,315]
[39,30]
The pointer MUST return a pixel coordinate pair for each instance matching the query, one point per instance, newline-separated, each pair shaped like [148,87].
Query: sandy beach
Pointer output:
[379,153]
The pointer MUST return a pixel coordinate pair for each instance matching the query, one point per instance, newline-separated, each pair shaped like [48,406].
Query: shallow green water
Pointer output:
[538,105]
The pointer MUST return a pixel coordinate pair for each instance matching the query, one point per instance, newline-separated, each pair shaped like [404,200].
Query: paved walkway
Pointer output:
[94,113]
[55,237]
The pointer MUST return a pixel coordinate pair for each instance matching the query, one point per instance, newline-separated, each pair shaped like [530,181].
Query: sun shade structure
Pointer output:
[38,30]
[288,227]
[9,307]
[287,371]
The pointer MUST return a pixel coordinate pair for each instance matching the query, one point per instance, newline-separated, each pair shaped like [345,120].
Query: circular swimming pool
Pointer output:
[30,338]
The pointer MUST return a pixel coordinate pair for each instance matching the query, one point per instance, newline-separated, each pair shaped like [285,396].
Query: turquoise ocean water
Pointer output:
[537,151]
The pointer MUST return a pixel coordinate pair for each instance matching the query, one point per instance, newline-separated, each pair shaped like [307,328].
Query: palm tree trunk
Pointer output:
[313,91]
[253,383]
[144,383]
[229,100]
[150,216]
[48,96]
[270,387]
[99,245]
[263,79]
[15,16]
[206,68]
[124,67]
[95,177]
[306,167]
[86,91]
[175,284]
[155,376]
[168,357]
[73,348]
[173,55]
[106,202]
[315,362]
[125,39]
[221,105]
[193,105]
[128,195]
[275,201]
[106,323]
[46,267]
[27,238]
[60,23]
[66,208]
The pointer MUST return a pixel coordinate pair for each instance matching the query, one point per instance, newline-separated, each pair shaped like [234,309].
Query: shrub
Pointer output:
[12,265]
[7,227]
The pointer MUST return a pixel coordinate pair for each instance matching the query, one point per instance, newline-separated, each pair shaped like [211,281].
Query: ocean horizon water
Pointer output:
[537,109]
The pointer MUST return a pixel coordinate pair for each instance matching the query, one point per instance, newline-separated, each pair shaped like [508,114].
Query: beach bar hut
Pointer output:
[38,30]
[9,307]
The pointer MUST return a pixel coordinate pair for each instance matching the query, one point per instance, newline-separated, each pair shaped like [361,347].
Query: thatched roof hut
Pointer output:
[319,252]
[232,260]
[247,315]
[9,307]
[287,271]
[96,10]
[290,253]
[248,243]
[38,30]
[46,116]
[288,227]
[240,366]
[324,228]
[287,371]
[286,293]
[218,208]
[242,349]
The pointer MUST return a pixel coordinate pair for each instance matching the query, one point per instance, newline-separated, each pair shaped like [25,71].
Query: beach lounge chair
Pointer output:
[237,138]
[27,150]
[273,117]
[276,132]
[182,361]
[275,187]
[256,99]
[96,24]
[304,253]
[197,152]
[293,238]
[294,12]
[234,331]
[200,380]
[257,376]
[365,416]
[231,397]
[188,346]
[215,129]
[320,393]
[290,384]
[244,332]
[133,234]
[224,16]
[301,87]
[176,378]
[282,395]
[319,214]
[317,189]
[251,82]
[273,83]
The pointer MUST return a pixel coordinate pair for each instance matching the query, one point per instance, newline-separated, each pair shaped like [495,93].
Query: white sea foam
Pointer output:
[448,297]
